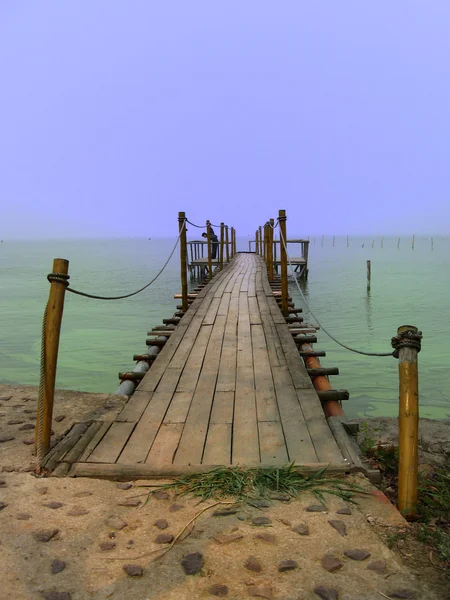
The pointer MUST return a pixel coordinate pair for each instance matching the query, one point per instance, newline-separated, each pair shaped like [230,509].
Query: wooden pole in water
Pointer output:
[208,231]
[432,244]
[322,240]
[283,259]
[413,240]
[270,254]
[226,245]
[368,273]
[398,243]
[408,425]
[347,241]
[54,313]
[373,243]
[222,227]
[183,260]
[334,239]
[257,242]
[382,240]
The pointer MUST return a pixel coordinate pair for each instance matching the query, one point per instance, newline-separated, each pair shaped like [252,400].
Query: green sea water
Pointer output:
[99,338]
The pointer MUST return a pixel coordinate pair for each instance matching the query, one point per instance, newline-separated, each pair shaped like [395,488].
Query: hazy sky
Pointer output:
[115,115]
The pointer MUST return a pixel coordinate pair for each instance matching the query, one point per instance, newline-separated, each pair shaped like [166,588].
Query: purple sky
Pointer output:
[115,115]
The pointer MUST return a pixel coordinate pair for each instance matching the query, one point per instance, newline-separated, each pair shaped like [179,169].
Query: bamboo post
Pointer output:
[270,254]
[283,259]
[226,244]
[369,273]
[222,227]
[260,241]
[208,231]
[257,242]
[53,318]
[408,419]
[183,259]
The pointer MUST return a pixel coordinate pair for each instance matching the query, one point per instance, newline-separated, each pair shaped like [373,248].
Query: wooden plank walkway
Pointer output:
[229,387]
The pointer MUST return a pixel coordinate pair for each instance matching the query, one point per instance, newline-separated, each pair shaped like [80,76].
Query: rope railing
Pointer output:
[318,322]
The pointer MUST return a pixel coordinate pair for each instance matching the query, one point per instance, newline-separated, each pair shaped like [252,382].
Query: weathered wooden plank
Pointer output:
[95,441]
[192,441]
[193,366]
[274,347]
[132,411]
[110,447]
[210,316]
[299,374]
[226,379]
[298,441]
[271,443]
[223,407]
[218,444]
[179,407]
[255,317]
[165,445]
[266,400]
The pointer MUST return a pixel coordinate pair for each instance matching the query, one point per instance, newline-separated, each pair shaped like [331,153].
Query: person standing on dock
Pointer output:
[214,242]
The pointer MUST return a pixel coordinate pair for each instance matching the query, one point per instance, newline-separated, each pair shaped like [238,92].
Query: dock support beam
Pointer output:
[283,258]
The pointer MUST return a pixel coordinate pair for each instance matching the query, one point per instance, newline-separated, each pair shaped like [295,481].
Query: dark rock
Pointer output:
[287,565]
[23,517]
[56,595]
[133,502]
[301,529]
[161,524]
[253,564]
[406,594]
[26,427]
[124,486]
[267,537]
[45,535]
[54,505]
[15,422]
[3,505]
[2,483]
[174,507]
[326,593]
[286,522]
[330,563]
[29,411]
[357,554]
[316,508]
[60,418]
[160,495]
[112,535]
[261,521]
[133,570]
[9,469]
[260,591]
[164,538]
[218,590]
[192,563]
[77,511]
[42,490]
[106,546]
[57,566]
[84,494]
[344,511]
[116,523]
[281,497]
[6,438]
[224,512]
[5,398]
[28,441]
[339,526]
[228,539]
[259,503]
[378,565]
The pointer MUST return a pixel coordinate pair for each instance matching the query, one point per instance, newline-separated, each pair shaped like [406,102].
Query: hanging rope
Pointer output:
[194,225]
[320,324]
[64,278]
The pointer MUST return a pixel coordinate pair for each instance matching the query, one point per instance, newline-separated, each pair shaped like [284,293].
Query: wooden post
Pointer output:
[257,242]
[283,258]
[260,241]
[334,239]
[368,273]
[398,243]
[222,227]
[54,313]
[208,231]
[226,244]
[382,241]
[234,241]
[432,244]
[183,259]
[231,242]
[270,254]
[408,426]
[413,240]
[347,241]
[322,240]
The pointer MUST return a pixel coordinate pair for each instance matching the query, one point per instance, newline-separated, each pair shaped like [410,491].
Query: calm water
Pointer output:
[99,338]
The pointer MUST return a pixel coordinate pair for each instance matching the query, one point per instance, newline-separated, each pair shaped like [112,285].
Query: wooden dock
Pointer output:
[229,387]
